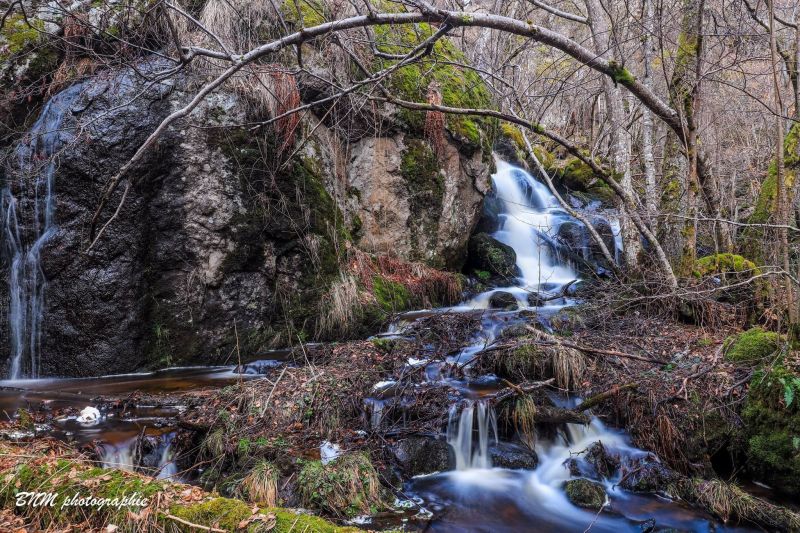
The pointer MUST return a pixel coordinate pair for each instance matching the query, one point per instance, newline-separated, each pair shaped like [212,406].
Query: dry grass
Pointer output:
[260,485]
[340,306]
[429,286]
[729,502]
[345,303]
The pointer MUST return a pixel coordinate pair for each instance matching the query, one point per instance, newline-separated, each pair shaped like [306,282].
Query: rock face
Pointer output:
[221,241]
[410,206]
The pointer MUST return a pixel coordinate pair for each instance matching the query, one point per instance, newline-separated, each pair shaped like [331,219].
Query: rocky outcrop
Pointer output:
[221,241]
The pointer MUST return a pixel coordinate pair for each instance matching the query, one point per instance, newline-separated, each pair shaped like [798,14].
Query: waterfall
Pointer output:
[27,226]
[530,218]
[460,434]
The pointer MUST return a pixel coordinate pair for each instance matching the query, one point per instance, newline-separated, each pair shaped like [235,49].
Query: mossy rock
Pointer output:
[460,87]
[726,263]
[490,255]
[585,493]
[579,178]
[752,345]
[733,269]
[771,419]
[348,486]
[227,514]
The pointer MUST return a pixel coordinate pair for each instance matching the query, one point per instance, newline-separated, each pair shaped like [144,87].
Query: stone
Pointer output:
[647,475]
[421,455]
[488,254]
[503,300]
[585,493]
[509,455]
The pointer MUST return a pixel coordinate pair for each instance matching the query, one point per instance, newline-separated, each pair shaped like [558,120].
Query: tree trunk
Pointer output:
[648,160]
[620,138]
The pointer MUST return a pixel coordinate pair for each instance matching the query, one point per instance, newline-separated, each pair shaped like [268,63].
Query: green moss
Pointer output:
[420,169]
[224,513]
[726,263]
[19,34]
[391,295]
[620,74]
[766,202]
[67,478]
[752,345]
[460,87]
[485,253]
[305,13]
[772,429]
[288,521]
[348,485]
[585,493]
[514,133]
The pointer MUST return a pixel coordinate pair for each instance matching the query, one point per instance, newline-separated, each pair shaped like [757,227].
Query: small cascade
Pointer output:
[27,219]
[528,222]
[149,454]
[470,453]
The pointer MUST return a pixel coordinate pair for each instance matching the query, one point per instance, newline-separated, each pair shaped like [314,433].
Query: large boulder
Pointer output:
[487,254]
[503,300]
[217,229]
[508,455]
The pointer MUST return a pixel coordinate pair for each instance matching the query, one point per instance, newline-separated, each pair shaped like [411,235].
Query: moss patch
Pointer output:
[460,87]
[753,345]
[726,263]
[585,493]
[18,34]
[772,428]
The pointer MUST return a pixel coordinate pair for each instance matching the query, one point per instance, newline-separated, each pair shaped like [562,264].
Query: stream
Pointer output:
[474,495]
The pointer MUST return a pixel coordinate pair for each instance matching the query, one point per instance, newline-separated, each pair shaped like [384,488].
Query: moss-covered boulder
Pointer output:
[772,428]
[487,254]
[503,300]
[459,87]
[724,264]
[579,178]
[751,346]
[348,485]
[735,270]
[585,493]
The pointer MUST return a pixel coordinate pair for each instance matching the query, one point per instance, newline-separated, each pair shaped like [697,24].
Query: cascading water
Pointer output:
[27,226]
[461,435]
[528,221]
[476,497]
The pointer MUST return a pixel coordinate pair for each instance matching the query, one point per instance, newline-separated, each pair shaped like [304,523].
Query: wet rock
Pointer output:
[503,300]
[535,299]
[647,475]
[604,463]
[508,455]
[514,330]
[421,455]
[573,236]
[487,254]
[585,493]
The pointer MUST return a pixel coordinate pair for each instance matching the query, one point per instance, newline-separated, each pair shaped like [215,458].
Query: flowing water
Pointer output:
[474,497]
[27,227]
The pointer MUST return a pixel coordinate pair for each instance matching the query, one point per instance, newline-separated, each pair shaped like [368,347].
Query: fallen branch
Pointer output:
[603,396]
[522,388]
[195,526]
[551,340]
